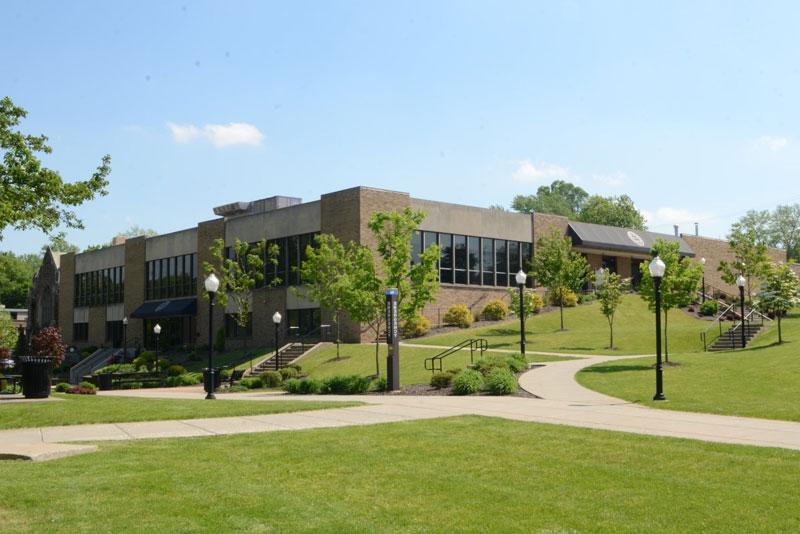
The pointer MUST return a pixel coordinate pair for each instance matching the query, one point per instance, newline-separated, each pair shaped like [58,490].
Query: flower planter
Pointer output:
[36,371]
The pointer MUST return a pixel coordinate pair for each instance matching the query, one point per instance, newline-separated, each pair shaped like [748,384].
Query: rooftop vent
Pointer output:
[257,206]
[234,208]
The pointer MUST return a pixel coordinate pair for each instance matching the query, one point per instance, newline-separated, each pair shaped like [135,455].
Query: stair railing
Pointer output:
[434,363]
[705,335]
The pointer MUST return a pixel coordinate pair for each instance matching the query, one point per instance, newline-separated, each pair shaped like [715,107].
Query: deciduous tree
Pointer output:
[750,258]
[612,211]
[780,292]
[610,288]
[559,198]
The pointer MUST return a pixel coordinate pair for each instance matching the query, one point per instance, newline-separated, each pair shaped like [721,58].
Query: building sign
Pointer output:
[636,238]
[393,340]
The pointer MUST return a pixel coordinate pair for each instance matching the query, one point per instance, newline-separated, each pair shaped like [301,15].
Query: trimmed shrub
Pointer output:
[467,382]
[132,385]
[458,315]
[517,363]
[252,382]
[163,363]
[62,387]
[271,379]
[87,385]
[186,379]
[569,298]
[288,372]
[144,359]
[47,342]
[495,310]
[80,390]
[236,388]
[709,307]
[381,384]
[538,302]
[309,386]
[296,367]
[585,298]
[346,385]
[292,385]
[176,370]
[501,382]
[416,327]
[116,368]
[441,380]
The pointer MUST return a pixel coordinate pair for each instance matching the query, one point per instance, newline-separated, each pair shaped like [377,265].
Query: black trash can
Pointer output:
[36,371]
[104,381]
[217,378]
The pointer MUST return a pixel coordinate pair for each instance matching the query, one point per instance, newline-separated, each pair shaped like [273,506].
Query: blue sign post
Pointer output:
[393,340]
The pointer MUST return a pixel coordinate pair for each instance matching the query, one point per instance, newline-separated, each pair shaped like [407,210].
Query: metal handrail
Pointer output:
[474,344]
[718,321]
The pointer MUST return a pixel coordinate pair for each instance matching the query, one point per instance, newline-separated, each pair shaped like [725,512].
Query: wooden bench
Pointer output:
[10,379]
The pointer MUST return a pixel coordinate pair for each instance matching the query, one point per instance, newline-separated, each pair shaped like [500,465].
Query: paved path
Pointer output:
[562,401]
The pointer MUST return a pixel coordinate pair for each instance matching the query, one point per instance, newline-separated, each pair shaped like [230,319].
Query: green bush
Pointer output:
[163,363]
[517,363]
[495,310]
[186,379]
[467,382]
[346,385]
[458,315]
[79,390]
[131,385]
[309,386]
[219,340]
[116,368]
[175,370]
[87,385]
[252,382]
[381,384]
[296,367]
[514,363]
[585,298]
[441,380]
[288,372]
[538,302]
[416,327]
[292,385]
[144,359]
[709,307]
[62,387]
[501,382]
[236,388]
[271,379]
[225,374]
[569,298]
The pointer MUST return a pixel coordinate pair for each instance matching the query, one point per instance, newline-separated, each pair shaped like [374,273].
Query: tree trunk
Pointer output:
[666,342]
[338,336]
[377,358]
[780,339]
[561,306]
[611,329]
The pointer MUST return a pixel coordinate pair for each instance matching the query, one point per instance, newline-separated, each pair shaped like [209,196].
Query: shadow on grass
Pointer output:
[616,368]
[501,332]
[335,359]
[580,348]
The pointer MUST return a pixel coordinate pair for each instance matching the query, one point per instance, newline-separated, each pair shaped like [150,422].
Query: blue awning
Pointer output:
[166,308]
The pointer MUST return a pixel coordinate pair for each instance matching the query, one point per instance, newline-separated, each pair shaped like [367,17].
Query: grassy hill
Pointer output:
[587,331]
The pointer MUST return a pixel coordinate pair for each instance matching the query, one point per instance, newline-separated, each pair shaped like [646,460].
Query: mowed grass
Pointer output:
[445,475]
[359,359]
[760,381]
[81,409]
[587,331]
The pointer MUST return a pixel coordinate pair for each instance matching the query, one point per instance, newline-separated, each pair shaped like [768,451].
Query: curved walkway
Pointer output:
[562,401]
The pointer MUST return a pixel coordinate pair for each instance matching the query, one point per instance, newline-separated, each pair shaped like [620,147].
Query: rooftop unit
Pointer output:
[236,209]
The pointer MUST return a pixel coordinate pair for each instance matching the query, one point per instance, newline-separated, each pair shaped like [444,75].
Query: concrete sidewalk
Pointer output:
[563,402]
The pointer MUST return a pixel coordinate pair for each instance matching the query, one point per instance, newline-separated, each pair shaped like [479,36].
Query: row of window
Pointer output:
[469,260]
[291,254]
[171,277]
[104,286]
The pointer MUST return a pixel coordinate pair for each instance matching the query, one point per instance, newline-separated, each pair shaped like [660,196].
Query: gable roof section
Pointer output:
[620,239]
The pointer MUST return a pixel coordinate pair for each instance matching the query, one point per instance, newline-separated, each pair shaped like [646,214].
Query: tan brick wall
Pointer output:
[624,267]
[716,250]
[474,297]
[66,296]
[544,223]
[207,232]
[134,286]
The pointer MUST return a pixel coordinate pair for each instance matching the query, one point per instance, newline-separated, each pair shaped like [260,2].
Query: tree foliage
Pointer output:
[58,243]
[612,211]
[610,288]
[16,277]
[559,198]
[780,292]
[239,273]
[47,342]
[8,334]
[559,268]
[417,282]
[679,284]
[777,228]
[750,258]
[533,302]
[34,196]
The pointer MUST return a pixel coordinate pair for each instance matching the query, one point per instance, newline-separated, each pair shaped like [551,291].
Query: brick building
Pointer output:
[159,279]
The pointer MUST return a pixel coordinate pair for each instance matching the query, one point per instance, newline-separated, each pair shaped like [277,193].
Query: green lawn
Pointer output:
[760,381]
[445,475]
[587,331]
[239,358]
[80,409]
[360,360]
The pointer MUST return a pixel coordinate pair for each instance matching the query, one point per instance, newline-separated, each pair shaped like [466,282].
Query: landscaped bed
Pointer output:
[82,409]
[443,475]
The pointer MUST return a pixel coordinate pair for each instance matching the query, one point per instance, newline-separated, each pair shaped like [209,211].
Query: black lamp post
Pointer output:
[157,332]
[521,277]
[276,318]
[211,284]
[657,269]
[703,292]
[124,338]
[741,282]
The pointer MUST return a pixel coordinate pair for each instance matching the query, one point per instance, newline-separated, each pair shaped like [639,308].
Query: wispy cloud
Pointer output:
[220,135]
[772,143]
[664,217]
[528,172]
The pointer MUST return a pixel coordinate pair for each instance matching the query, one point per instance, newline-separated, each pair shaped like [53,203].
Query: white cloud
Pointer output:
[772,143]
[662,219]
[220,135]
[614,179]
[527,172]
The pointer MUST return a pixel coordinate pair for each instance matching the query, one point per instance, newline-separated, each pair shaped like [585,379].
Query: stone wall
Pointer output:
[544,223]
[66,296]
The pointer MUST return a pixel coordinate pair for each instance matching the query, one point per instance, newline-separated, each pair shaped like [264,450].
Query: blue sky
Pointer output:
[690,108]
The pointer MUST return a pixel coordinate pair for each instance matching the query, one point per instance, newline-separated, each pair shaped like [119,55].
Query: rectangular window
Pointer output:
[460,252]
[526,253]
[487,248]
[446,258]
[416,246]
[513,262]
[80,332]
[293,260]
[501,262]
[474,254]
[234,330]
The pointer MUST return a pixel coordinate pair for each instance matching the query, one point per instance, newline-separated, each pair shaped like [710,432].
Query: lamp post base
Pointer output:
[210,396]
[659,397]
